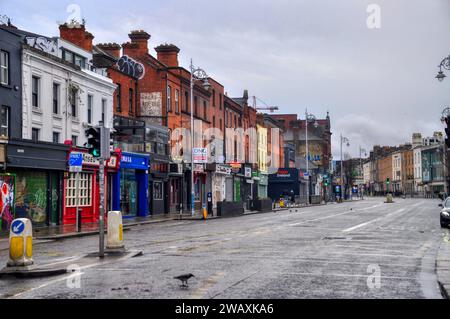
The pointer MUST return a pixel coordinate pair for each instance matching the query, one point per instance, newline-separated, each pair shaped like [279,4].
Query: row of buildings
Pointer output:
[53,89]
[417,168]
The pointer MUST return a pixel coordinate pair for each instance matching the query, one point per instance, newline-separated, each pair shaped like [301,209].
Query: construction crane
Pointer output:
[271,109]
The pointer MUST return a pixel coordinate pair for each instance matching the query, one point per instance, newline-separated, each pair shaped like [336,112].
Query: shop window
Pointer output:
[31,196]
[84,188]
[158,191]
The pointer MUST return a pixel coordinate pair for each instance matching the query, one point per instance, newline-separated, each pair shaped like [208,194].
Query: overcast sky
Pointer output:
[378,84]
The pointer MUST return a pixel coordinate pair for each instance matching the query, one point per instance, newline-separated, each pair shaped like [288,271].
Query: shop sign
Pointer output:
[223,169]
[90,160]
[199,168]
[133,161]
[283,174]
[200,155]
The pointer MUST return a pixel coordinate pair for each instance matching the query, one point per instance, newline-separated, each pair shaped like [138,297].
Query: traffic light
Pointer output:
[388,181]
[94,141]
[447,131]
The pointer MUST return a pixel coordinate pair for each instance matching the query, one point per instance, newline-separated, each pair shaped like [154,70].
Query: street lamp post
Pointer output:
[445,64]
[362,151]
[197,74]
[309,118]
[343,140]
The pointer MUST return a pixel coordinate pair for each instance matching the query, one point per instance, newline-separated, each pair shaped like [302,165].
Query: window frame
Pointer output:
[38,133]
[5,67]
[35,96]
[90,105]
[169,99]
[56,99]
[177,101]
[58,135]
[7,127]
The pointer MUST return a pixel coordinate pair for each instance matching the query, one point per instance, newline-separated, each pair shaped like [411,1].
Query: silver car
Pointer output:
[445,213]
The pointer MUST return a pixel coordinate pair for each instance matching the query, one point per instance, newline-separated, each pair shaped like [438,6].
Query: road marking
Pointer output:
[321,218]
[372,221]
[202,291]
[51,282]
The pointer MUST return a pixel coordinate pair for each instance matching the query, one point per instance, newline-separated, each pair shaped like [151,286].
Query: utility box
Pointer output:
[115,232]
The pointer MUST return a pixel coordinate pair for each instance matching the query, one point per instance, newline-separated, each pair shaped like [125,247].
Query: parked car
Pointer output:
[445,213]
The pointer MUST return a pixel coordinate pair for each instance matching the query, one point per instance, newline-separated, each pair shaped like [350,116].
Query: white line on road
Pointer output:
[372,221]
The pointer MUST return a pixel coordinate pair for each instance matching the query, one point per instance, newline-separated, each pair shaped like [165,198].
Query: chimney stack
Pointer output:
[111,48]
[139,42]
[168,54]
[76,33]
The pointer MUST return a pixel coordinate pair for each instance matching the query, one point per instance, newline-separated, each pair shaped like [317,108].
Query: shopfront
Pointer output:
[176,190]
[263,186]
[159,188]
[285,182]
[130,185]
[34,182]
[82,189]
[200,186]
[220,174]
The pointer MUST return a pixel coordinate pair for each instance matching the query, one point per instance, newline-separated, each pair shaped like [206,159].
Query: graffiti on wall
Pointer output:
[131,67]
[7,199]
[31,202]
[44,44]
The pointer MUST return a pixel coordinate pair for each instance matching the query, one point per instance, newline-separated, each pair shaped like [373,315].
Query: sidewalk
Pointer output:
[443,267]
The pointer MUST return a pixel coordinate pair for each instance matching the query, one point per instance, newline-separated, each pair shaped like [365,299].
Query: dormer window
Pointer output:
[74,58]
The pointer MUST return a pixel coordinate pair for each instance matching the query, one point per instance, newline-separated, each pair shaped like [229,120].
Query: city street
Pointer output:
[328,251]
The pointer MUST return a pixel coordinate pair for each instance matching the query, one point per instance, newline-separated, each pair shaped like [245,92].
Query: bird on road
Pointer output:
[184,280]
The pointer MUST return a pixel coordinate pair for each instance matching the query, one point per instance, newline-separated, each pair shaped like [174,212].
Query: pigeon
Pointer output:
[184,280]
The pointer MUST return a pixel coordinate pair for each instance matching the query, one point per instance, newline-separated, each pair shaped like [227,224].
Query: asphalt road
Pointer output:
[364,249]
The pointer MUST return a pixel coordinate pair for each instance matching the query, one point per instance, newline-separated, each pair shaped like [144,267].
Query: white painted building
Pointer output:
[397,171]
[418,169]
[62,94]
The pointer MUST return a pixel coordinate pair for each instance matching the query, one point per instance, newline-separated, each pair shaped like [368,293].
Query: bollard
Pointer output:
[21,243]
[80,217]
[205,214]
[115,232]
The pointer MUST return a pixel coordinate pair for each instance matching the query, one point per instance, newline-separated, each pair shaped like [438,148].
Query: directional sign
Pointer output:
[18,227]
[76,162]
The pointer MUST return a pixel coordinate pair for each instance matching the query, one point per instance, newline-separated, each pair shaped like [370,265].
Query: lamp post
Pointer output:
[445,64]
[343,140]
[309,118]
[362,151]
[446,119]
[197,74]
